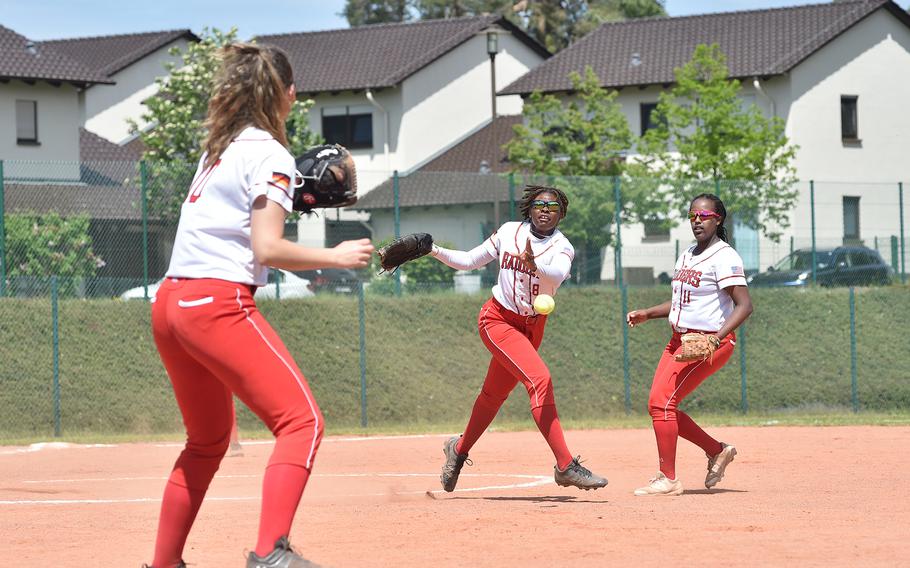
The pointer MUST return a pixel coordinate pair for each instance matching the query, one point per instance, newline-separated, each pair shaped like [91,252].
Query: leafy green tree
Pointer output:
[45,245]
[363,12]
[576,146]
[705,135]
[173,142]
[554,23]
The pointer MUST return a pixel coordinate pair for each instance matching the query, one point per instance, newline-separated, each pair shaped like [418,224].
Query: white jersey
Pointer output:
[518,285]
[213,237]
[698,302]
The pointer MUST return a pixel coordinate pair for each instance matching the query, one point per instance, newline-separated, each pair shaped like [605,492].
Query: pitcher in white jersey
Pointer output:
[212,339]
[709,296]
[534,258]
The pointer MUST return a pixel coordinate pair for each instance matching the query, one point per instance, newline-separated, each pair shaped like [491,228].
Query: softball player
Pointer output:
[534,258]
[709,296]
[212,339]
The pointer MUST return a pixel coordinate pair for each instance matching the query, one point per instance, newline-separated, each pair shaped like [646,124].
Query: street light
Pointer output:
[492,50]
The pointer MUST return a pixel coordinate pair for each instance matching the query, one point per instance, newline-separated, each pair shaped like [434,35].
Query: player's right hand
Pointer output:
[353,254]
[636,317]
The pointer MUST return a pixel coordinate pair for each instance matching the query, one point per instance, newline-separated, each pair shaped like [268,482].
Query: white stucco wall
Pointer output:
[452,96]
[58,131]
[106,108]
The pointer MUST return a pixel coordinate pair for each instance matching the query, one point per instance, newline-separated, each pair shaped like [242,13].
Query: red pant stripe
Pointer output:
[506,355]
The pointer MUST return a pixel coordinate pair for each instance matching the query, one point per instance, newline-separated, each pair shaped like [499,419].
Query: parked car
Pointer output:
[281,283]
[841,266]
[336,280]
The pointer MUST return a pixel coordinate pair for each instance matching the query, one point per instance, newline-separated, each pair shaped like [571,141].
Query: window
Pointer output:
[647,117]
[350,126]
[27,122]
[851,218]
[656,230]
[849,126]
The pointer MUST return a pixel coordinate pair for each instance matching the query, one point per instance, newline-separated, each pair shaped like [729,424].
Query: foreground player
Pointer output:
[211,337]
[709,296]
[534,258]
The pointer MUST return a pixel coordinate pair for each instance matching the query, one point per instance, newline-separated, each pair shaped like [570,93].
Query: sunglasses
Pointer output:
[540,205]
[703,215]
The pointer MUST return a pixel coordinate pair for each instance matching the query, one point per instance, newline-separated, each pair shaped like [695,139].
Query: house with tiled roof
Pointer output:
[837,73]
[39,105]
[132,63]
[398,95]
[462,193]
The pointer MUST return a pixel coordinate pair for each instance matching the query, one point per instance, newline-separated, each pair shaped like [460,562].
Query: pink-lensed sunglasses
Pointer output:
[703,215]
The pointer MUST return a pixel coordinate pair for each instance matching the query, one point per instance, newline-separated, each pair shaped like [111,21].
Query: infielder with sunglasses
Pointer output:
[710,297]
[534,258]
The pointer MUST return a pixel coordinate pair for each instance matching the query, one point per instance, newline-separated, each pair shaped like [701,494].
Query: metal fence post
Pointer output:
[2,236]
[900,199]
[397,205]
[511,196]
[743,398]
[624,305]
[791,244]
[55,323]
[277,283]
[812,209]
[895,251]
[143,190]
[361,309]
[854,395]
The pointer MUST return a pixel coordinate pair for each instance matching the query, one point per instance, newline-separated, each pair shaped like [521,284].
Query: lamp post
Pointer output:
[492,50]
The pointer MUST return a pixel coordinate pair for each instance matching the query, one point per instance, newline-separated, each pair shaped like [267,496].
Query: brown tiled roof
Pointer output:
[380,55]
[95,148]
[31,61]
[110,54]
[485,145]
[96,201]
[423,189]
[645,52]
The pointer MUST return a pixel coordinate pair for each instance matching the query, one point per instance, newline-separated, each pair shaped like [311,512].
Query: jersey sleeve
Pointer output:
[729,269]
[273,177]
[559,266]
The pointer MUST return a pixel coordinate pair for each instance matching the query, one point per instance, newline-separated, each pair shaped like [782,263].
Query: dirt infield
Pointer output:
[802,496]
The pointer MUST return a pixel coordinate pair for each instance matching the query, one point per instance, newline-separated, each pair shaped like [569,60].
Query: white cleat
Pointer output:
[718,464]
[661,485]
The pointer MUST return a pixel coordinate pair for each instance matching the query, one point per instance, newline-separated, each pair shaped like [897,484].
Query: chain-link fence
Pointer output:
[82,246]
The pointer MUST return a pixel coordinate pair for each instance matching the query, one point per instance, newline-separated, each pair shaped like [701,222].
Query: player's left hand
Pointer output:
[636,317]
[528,256]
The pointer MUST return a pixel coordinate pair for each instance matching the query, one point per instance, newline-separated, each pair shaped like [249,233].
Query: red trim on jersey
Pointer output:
[709,256]
[283,189]
[201,181]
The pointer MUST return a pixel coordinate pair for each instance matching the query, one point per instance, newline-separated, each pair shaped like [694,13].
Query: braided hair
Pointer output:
[719,209]
[530,194]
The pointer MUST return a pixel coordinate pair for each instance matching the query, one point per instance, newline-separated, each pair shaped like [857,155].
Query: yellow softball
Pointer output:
[544,304]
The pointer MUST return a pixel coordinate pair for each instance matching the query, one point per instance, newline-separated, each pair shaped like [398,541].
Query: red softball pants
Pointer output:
[675,380]
[513,341]
[214,342]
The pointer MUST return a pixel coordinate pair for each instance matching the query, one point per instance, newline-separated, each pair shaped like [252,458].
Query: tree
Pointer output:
[173,142]
[705,134]
[554,23]
[576,145]
[45,245]
[363,12]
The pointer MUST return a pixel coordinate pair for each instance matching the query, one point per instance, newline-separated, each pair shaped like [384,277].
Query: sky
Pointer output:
[53,19]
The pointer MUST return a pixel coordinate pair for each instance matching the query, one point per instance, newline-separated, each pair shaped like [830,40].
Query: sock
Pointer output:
[548,424]
[691,431]
[485,409]
[282,488]
[667,432]
[178,511]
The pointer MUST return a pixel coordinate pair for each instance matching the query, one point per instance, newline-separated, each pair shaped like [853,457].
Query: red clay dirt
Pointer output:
[827,496]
